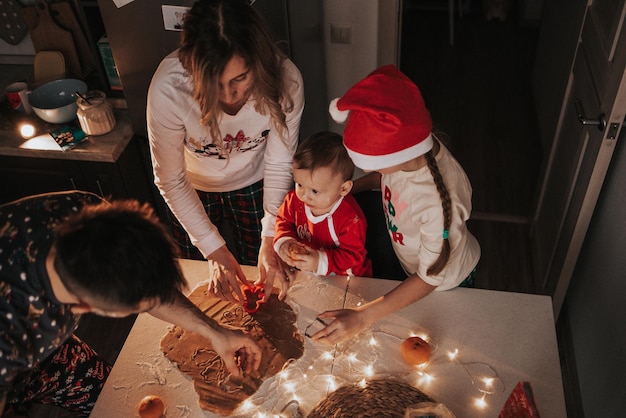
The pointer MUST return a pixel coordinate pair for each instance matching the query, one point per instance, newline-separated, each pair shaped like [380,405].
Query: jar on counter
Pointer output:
[95,113]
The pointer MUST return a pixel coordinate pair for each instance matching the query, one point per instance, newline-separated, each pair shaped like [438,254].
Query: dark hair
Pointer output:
[213,32]
[119,253]
[446,205]
[324,149]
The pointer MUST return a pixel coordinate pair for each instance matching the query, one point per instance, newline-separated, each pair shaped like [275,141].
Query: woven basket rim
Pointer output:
[377,398]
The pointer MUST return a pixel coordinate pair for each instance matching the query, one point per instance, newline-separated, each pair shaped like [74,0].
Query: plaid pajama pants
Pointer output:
[240,210]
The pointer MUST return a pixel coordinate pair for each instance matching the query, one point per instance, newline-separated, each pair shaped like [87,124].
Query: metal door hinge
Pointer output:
[611,133]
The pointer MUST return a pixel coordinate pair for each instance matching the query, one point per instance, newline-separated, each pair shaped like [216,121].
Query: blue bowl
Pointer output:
[55,101]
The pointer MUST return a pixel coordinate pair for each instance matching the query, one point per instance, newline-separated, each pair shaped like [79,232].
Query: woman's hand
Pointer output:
[238,351]
[347,324]
[225,275]
[272,268]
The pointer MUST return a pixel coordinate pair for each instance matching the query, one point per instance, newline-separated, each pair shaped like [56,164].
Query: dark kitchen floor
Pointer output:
[478,92]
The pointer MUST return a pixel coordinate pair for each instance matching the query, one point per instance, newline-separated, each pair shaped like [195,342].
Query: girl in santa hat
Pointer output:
[426,195]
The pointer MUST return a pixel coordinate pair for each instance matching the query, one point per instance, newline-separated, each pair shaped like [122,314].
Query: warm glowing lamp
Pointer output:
[27,130]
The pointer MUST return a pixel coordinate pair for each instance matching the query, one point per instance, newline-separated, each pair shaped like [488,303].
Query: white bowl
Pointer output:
[55,101]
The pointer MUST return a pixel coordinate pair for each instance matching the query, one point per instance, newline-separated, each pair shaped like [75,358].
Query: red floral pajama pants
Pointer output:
[71,378]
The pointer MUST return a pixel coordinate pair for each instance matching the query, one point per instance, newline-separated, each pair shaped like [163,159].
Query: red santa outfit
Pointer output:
[338,235]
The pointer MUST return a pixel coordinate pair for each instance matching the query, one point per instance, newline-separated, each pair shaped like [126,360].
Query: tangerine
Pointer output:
[415,351]
[151,406]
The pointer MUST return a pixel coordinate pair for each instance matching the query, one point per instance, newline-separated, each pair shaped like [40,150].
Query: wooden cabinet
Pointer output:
[128,177]
[27,176]
[114,165]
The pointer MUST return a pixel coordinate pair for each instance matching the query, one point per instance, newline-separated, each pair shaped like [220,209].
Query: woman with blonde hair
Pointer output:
[223,119]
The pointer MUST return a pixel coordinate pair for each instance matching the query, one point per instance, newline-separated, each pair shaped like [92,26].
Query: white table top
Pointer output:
[509,337]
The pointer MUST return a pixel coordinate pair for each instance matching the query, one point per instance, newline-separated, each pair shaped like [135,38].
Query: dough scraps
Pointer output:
[273,327]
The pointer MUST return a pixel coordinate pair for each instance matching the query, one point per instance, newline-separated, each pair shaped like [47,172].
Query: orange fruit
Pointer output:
[151,406]
[415,351]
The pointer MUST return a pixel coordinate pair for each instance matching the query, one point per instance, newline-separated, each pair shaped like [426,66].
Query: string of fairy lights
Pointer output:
[303,382]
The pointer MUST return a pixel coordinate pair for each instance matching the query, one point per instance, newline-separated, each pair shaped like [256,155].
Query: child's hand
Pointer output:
[299,255]
[347,324]
[307,261]
[285,251]
[297,250]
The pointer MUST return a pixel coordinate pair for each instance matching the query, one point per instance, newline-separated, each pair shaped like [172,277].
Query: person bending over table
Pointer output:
[426,195]
[223,117]
[64,254]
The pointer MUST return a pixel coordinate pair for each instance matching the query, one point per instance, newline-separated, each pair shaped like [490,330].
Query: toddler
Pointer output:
[320,227]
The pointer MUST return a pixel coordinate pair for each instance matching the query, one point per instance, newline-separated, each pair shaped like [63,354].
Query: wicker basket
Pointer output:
[379,398]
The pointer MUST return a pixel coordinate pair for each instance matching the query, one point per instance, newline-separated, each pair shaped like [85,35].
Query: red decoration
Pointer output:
[520,404]
[253,297]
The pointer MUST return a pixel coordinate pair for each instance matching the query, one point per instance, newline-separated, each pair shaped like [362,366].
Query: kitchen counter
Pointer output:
[102,148]
[114,165]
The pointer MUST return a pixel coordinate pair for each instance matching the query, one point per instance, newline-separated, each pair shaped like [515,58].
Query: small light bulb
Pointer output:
[369,371]
[480,403]
[27,130]
[424,379]
[332,385]
[247,405]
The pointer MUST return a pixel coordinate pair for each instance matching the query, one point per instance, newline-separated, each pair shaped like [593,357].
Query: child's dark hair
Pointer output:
[324,149]
[119,253]
[444,256]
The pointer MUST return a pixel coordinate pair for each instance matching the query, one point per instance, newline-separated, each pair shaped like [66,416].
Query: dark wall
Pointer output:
[596,299]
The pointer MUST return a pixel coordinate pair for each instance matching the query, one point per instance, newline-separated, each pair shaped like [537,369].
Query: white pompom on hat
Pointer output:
[387,122]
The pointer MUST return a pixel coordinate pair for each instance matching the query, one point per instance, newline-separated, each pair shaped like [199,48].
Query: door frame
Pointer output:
[555,276]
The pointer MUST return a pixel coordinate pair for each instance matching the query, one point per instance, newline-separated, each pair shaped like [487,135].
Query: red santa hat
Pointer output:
[387,121]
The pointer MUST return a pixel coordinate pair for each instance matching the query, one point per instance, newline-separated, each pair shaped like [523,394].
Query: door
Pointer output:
[589,125]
